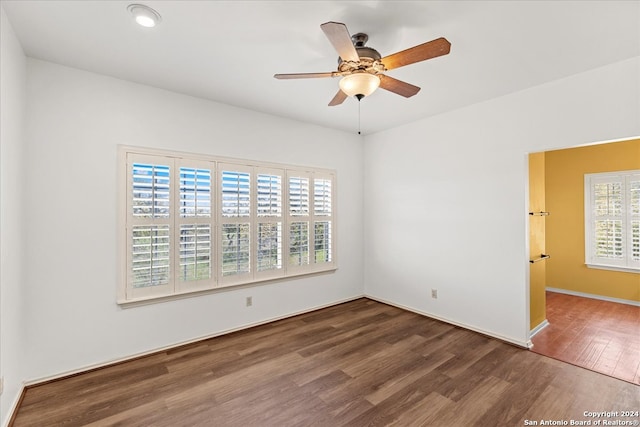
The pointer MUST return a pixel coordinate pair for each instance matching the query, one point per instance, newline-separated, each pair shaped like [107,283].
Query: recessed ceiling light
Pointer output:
[144,15]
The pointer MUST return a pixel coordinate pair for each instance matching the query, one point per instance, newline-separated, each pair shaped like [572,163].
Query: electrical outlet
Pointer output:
[434,293]
[249,301]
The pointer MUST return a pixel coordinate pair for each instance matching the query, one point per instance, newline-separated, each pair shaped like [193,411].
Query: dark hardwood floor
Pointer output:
[599,335]
[361,363]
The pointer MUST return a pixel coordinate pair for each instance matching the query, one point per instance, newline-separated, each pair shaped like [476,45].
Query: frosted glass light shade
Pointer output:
[359,84]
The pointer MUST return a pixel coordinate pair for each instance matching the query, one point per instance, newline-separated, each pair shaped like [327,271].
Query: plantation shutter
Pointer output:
[194,229]
[269,223]
[235,222]
[612,219]
[323,219]
[634,220]
[299,219]
[149,231]
[190,223]
[608,200]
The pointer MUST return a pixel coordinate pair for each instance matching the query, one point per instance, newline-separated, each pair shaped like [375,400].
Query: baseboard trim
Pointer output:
[13,410]
[594,296]
[538,328]
[524,344]
[90,368]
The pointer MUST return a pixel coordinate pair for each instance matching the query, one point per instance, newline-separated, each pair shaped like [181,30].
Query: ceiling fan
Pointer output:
[361,67]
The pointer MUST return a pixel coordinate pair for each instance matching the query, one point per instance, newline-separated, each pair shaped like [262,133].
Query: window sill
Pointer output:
[614,268]
[129,303]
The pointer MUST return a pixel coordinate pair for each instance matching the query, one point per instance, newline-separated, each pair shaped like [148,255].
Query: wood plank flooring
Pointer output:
[361,363]
[599,335]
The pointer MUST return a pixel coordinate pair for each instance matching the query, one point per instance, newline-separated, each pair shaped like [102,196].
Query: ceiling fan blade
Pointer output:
[398,86]
[338,99]
[422,52]
[302,75]
[339,37]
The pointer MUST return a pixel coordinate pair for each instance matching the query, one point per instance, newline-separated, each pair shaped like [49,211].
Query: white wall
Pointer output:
[12,106]
[75,119]
[446,197]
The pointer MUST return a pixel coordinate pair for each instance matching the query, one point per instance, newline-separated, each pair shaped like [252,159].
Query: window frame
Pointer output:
[626,263]
[127,155]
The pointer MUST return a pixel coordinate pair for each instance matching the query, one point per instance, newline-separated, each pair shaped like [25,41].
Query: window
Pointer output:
[612,220]
[193,223]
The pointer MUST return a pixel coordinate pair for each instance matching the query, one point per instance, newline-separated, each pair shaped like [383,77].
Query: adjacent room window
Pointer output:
[612,220]
[193,222]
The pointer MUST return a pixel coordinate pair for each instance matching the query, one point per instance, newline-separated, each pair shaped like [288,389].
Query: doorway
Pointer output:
[584,316]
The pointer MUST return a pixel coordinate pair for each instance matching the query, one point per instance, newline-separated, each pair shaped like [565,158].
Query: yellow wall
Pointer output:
[564,181]
[537,271]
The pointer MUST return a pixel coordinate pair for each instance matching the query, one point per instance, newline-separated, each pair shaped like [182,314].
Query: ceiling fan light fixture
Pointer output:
[363,84]
[144,15]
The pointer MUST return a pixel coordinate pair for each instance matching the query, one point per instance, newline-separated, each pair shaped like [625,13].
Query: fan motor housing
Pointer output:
[365,52]
[368,52]
[369,57]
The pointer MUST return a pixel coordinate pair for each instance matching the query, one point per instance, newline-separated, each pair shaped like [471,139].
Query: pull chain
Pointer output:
[358,117]
[359,98]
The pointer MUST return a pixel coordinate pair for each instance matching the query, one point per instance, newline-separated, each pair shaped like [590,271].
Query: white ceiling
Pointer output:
[228,51]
